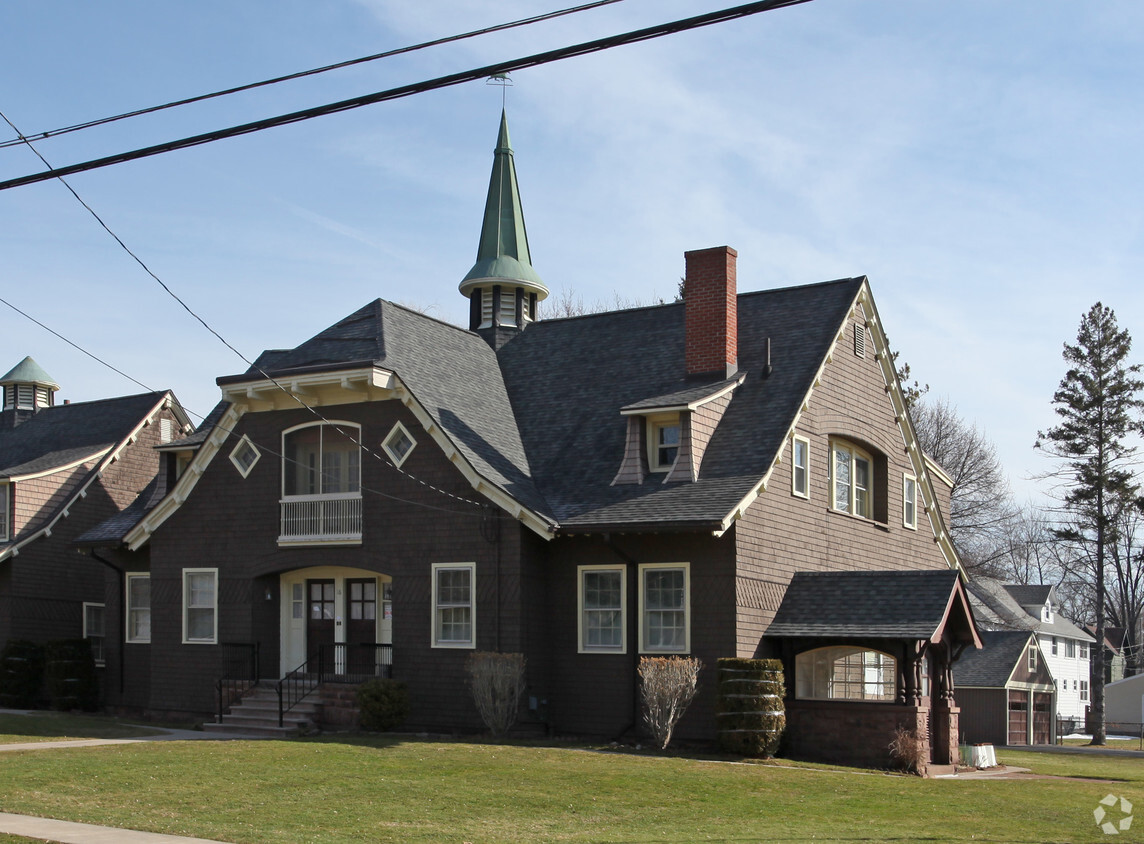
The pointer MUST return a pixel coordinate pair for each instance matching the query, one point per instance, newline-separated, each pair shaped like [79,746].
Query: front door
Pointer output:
[320,615]
[361,625]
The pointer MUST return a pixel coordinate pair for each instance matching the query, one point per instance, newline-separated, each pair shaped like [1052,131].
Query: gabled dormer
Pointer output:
[502,287]
[27,389]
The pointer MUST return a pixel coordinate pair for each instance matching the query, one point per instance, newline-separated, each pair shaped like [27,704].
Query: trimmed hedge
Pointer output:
[21,674]
[383,704]
[69,675]
[750,714]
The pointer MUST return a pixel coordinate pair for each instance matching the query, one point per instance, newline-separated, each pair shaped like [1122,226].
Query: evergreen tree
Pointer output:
[1099,405]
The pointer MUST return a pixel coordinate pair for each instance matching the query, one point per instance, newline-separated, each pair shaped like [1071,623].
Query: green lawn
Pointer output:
[53,726]
[410,790]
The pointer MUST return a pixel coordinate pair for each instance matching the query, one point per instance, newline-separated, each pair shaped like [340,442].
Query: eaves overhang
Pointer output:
[312,388]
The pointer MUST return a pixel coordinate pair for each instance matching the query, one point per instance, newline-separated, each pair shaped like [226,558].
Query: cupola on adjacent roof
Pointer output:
[502,286]
[28,387]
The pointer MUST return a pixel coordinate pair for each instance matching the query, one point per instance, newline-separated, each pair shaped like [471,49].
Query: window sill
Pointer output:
[861,519]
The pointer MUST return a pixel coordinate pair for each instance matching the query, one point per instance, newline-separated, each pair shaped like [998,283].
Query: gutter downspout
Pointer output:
[627,558]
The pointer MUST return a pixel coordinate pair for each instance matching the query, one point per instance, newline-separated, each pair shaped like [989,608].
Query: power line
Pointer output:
[52,133]
[512,65]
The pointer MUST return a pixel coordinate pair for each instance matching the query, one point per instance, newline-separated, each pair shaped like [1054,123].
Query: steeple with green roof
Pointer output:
[502,286]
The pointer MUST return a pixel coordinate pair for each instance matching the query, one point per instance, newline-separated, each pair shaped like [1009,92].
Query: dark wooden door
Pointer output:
[361,625]
[320,616]
[1018,717]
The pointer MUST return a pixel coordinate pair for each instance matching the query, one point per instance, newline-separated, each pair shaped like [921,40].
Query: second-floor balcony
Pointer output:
[330,518]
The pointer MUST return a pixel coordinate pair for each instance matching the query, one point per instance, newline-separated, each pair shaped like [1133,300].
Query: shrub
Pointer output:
[497,681]
[750,711]
[382,704]
[21,674]
[908,751]
[69,675]
[667,687]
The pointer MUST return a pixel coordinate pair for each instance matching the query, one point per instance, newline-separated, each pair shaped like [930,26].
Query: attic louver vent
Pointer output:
[860,340]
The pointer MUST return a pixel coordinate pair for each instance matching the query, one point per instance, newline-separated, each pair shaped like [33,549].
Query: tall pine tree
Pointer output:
[1099,406]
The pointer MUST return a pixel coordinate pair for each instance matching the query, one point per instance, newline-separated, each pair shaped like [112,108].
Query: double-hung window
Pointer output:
[851,478]
[200,606]
[602,598]
[665,608]
[93,630]
[454,616]
[138,607]
[1070,648]
[800,467]
[663,439]
[910,502]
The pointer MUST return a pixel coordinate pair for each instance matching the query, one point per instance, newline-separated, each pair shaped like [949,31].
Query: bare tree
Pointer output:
[568,303]
[982,511]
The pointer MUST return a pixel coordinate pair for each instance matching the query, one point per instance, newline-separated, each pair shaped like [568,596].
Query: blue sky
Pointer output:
[979,161]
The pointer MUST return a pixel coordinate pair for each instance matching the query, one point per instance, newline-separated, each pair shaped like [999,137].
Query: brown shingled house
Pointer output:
[396,492]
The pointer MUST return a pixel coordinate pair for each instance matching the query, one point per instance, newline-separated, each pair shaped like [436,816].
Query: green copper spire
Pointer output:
[28,371]
[502,257]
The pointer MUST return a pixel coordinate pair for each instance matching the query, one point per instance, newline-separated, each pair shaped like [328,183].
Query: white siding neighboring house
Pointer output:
[1124,702]
[1065,647]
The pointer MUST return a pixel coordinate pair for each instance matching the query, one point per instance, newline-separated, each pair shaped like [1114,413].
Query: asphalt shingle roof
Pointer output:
[994,663]
[898,604]
[110,532]
[1027,596]
[60,435]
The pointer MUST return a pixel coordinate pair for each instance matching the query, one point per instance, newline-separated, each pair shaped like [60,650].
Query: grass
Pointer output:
[53,726]
[419,790]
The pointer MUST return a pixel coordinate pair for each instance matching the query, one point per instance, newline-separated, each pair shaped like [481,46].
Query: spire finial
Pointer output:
[503,80]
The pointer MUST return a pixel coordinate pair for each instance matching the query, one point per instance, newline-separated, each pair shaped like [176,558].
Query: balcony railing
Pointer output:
[321,518]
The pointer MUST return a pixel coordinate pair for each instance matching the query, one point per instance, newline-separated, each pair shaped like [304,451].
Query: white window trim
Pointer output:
[794,467]
[472,641]
[214,607]
[1032,657]
[98,662]
[245,443]
[128,577]
[398,430]
[907,481]
[597,649]
[655,423]
[855,451]
[643,569]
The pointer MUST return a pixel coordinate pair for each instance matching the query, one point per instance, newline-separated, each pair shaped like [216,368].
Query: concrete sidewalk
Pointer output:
[67,832]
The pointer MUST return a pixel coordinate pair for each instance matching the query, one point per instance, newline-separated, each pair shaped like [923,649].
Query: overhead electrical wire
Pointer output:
[475,74]
[53,133]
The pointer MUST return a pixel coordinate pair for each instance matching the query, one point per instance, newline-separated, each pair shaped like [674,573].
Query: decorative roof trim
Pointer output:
[376,383]
[310,389]
[110,457]
[63,467]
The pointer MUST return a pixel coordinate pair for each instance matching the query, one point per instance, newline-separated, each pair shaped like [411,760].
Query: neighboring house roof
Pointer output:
[995,608]
[1029,595]
[863,604]
[64,434]
[1008,606]
[569,379]
[993,665]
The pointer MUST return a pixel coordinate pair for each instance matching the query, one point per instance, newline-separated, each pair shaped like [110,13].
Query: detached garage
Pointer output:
[1005,691]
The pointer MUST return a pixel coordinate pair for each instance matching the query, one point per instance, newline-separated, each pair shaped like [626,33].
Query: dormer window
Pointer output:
[663,442]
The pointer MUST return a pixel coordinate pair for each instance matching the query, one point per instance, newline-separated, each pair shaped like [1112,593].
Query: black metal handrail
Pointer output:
[341,662]
[240,665]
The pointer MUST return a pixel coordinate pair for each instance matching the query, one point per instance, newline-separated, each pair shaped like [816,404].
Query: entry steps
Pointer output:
[257,714]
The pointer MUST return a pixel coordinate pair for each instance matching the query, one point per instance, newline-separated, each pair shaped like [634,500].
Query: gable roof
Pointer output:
[568,380]
[1002,607]
[1029,595]
[60,436]
[864,604]
[993,665]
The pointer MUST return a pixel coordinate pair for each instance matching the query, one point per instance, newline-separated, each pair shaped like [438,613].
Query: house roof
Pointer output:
[864,604]
[452,372]
[110,532]
[1029,595]
[65,434]
[568,380]
[993,665]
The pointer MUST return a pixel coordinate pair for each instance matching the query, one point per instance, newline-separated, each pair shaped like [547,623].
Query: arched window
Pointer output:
[321,459]
[845,673]
[321,484]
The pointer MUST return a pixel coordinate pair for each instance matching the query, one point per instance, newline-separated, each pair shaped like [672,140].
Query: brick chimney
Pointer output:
[709,300]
